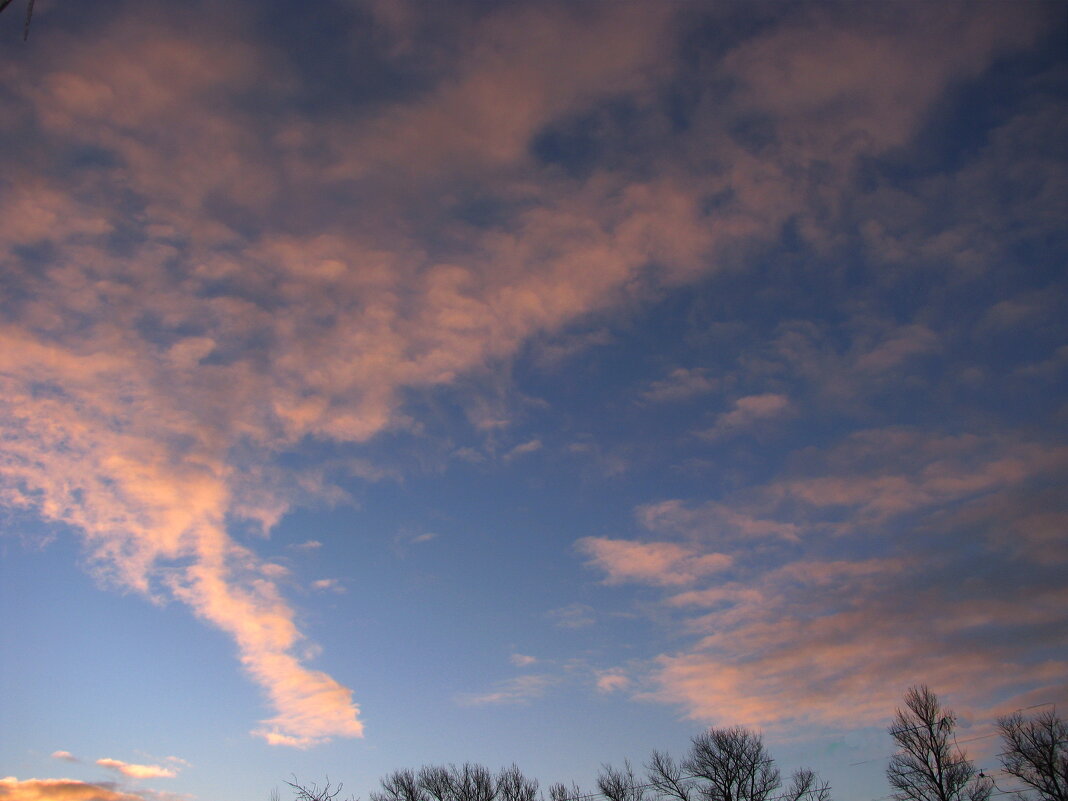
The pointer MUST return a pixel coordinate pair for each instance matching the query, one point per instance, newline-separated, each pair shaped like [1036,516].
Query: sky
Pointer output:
[392,383]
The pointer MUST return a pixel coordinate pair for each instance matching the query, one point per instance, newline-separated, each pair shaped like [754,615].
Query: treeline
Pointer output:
[733,764]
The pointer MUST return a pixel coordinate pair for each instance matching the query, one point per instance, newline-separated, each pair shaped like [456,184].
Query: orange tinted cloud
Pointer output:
[135,771]
[11,789]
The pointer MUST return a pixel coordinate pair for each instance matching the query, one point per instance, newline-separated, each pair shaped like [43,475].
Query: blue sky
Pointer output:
[392,383]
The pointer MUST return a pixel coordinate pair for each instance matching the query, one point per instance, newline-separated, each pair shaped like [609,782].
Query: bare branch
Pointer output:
[620,785]
[1035,751]
[312,792]
[732,765]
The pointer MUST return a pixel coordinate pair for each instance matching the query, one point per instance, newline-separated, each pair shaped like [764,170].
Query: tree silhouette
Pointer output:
[928,765]
[1035,751]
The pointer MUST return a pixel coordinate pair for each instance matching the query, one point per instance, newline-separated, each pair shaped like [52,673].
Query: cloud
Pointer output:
[522,660]
[713,522]
[661,563]
[307,545]
[333,585]
[11,789]
[837,646]
[66,756]
[573,616]
[896,585]
[135,771]
[681,384]
[520,690]
[610,681]
[748,412]
[530,446]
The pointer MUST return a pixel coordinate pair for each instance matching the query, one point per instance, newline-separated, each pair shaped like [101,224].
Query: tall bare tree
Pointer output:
[512,785]
[561,792]
[1035,751]
[805,785]
[668,778]
[728,764]
[400,785]
[618,784]
[469,782]
[928,765]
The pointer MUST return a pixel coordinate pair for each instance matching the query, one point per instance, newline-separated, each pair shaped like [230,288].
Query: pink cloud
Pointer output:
[610,681]
[712,521]
[834,641]
[865,86]
[885,473]
[663,563]
[748,413]
[834,644]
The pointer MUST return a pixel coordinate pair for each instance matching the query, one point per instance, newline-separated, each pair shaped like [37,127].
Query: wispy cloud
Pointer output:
[135,771]
[681,384]
[610,681]
[573,616]
[519,690]
[662,563]
[66,756]
[748,412]
[826,639]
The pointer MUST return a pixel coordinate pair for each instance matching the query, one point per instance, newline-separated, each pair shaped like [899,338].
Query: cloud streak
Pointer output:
[830,638]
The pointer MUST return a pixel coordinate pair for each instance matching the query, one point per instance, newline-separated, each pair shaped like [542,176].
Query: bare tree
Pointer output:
[928,765]
[667,777]
[436,781]
[312,792]
[731,765]
[470,782]
[473,782]
[1035,751]
[400,785]
[620,784]
[512,785]
[805,784]
[561,792]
